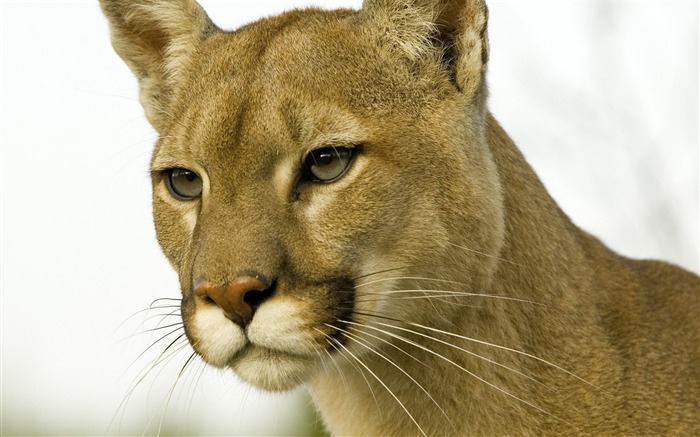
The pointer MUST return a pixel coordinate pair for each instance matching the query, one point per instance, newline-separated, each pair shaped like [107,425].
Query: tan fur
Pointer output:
[532,326]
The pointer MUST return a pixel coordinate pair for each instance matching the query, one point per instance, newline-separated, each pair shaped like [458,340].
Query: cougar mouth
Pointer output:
[280,347]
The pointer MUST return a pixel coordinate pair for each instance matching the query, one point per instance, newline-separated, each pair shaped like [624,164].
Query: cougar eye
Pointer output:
[327,164]
[183,184]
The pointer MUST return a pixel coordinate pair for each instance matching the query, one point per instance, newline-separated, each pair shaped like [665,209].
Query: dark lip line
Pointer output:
[250,345]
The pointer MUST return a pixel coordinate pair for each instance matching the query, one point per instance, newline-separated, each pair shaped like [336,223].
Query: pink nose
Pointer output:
[238,299]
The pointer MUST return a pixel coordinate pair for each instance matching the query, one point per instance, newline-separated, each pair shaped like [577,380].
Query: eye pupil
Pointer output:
[324,159]
[328,164]
[183,184]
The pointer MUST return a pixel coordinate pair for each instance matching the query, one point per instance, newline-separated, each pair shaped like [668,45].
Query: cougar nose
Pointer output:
[238,299]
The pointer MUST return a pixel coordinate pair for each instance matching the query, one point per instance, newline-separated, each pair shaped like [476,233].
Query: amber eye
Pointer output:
[327,164]
[183,184]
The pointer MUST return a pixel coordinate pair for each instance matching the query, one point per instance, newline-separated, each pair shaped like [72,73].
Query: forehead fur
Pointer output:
[314,51]
[279,77]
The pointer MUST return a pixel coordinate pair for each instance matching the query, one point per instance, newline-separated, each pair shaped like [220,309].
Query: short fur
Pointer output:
[436,288]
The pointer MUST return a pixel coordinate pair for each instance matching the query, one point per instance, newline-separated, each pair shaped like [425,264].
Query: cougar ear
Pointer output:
[155,38]
[457,27]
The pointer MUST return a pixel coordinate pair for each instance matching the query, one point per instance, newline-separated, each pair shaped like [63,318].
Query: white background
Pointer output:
[602,97]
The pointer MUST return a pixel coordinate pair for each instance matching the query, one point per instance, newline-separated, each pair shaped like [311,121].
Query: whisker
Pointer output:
[350,304]
[178,345]
[445,281]
[440,295]
[384,385]
[180,348]
[387,359]
[481,342]
[141,376]
[335,363]
[488,360]
[175,299]
[150,330]
[377,316]
[388,343]
[157,328]
[359,370]
[155,343]
[191,390]
[170,394]
[144,372]
[379,272]
[150,308]
[485,254]
[163,318]
[320,356]
[506,349]
[412,278]
[174,346]
[490,384]
[450,293]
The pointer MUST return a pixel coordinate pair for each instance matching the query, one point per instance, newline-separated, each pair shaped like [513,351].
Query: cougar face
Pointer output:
[280,199]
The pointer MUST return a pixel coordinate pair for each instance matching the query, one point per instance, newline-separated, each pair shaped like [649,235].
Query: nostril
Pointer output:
[238,299]
[208,299]
[256,297]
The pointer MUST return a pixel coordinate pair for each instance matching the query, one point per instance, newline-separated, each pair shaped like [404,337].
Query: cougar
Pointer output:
[344,213]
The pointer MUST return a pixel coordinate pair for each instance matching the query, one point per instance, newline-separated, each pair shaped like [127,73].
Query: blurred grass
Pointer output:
[309,423]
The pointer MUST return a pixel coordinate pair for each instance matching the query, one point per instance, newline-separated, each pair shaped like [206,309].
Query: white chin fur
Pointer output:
[218,339]
[273,371]
[278,325]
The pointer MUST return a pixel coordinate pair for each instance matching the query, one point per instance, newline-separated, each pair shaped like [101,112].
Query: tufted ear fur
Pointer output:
[155,38]
[457,28]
